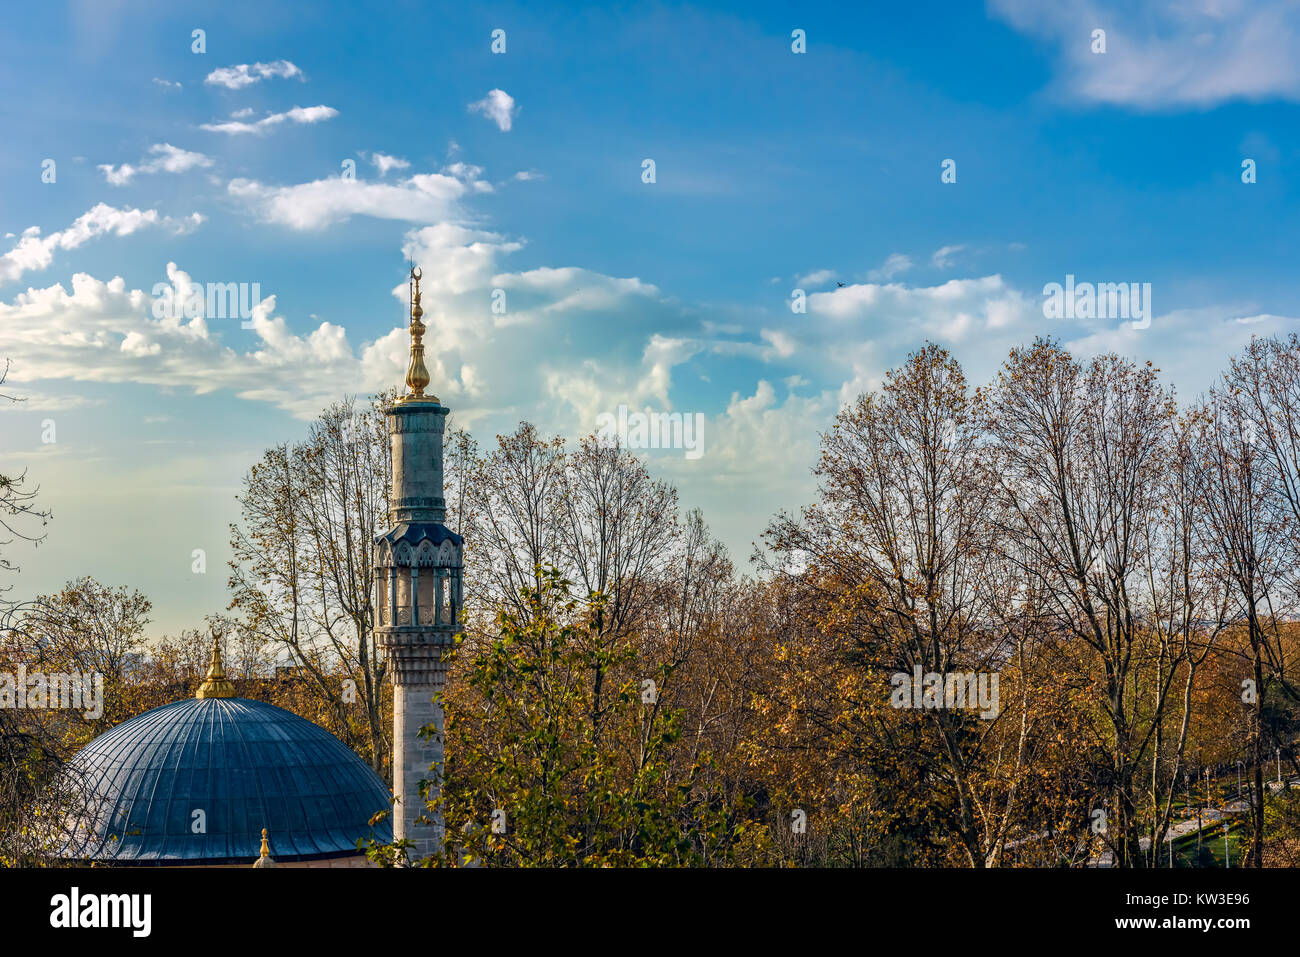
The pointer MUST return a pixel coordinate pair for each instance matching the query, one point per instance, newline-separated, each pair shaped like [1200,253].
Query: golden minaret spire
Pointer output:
[216,685]
[417,374]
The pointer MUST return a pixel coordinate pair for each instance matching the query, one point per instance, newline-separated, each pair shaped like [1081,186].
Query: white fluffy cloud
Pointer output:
[245,74]
[165,159]
[857,332]
[854,334]
[499,107]
[487,362]
[1168,54]
[561,345]
[34,251]
[757,434]
[383,162]
[104,332]
[554,345]
[299,114]
[322,203]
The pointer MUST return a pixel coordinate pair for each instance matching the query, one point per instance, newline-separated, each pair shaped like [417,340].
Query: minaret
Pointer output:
[418,596]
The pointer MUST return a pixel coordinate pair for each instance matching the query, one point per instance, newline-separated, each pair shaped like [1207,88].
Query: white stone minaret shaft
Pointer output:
[418,598]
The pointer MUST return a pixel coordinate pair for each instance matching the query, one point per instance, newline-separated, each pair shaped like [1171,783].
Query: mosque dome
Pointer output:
[195,782]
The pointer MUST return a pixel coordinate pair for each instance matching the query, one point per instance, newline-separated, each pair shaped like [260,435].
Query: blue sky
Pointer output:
[774,171]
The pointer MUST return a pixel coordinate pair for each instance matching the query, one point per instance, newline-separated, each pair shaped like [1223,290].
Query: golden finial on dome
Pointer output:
[417,374]
[265,860]
[215,685]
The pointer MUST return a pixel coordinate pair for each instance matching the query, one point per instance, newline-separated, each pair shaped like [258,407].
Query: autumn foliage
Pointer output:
[1116,567]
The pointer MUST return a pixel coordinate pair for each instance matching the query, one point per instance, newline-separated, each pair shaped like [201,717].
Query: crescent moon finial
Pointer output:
[417,374]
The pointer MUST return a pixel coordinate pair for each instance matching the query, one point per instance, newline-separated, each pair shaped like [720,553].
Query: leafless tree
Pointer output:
[302,571]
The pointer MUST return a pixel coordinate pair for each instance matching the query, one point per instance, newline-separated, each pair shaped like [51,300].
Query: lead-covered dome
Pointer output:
[243,765]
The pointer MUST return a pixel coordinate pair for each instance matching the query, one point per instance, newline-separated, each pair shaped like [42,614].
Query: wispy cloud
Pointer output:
[166,159]
[167,84]
[943,257]
[818,277]
[893,265]
[299,114]
[1167,54]
[246,74]
[40,401]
